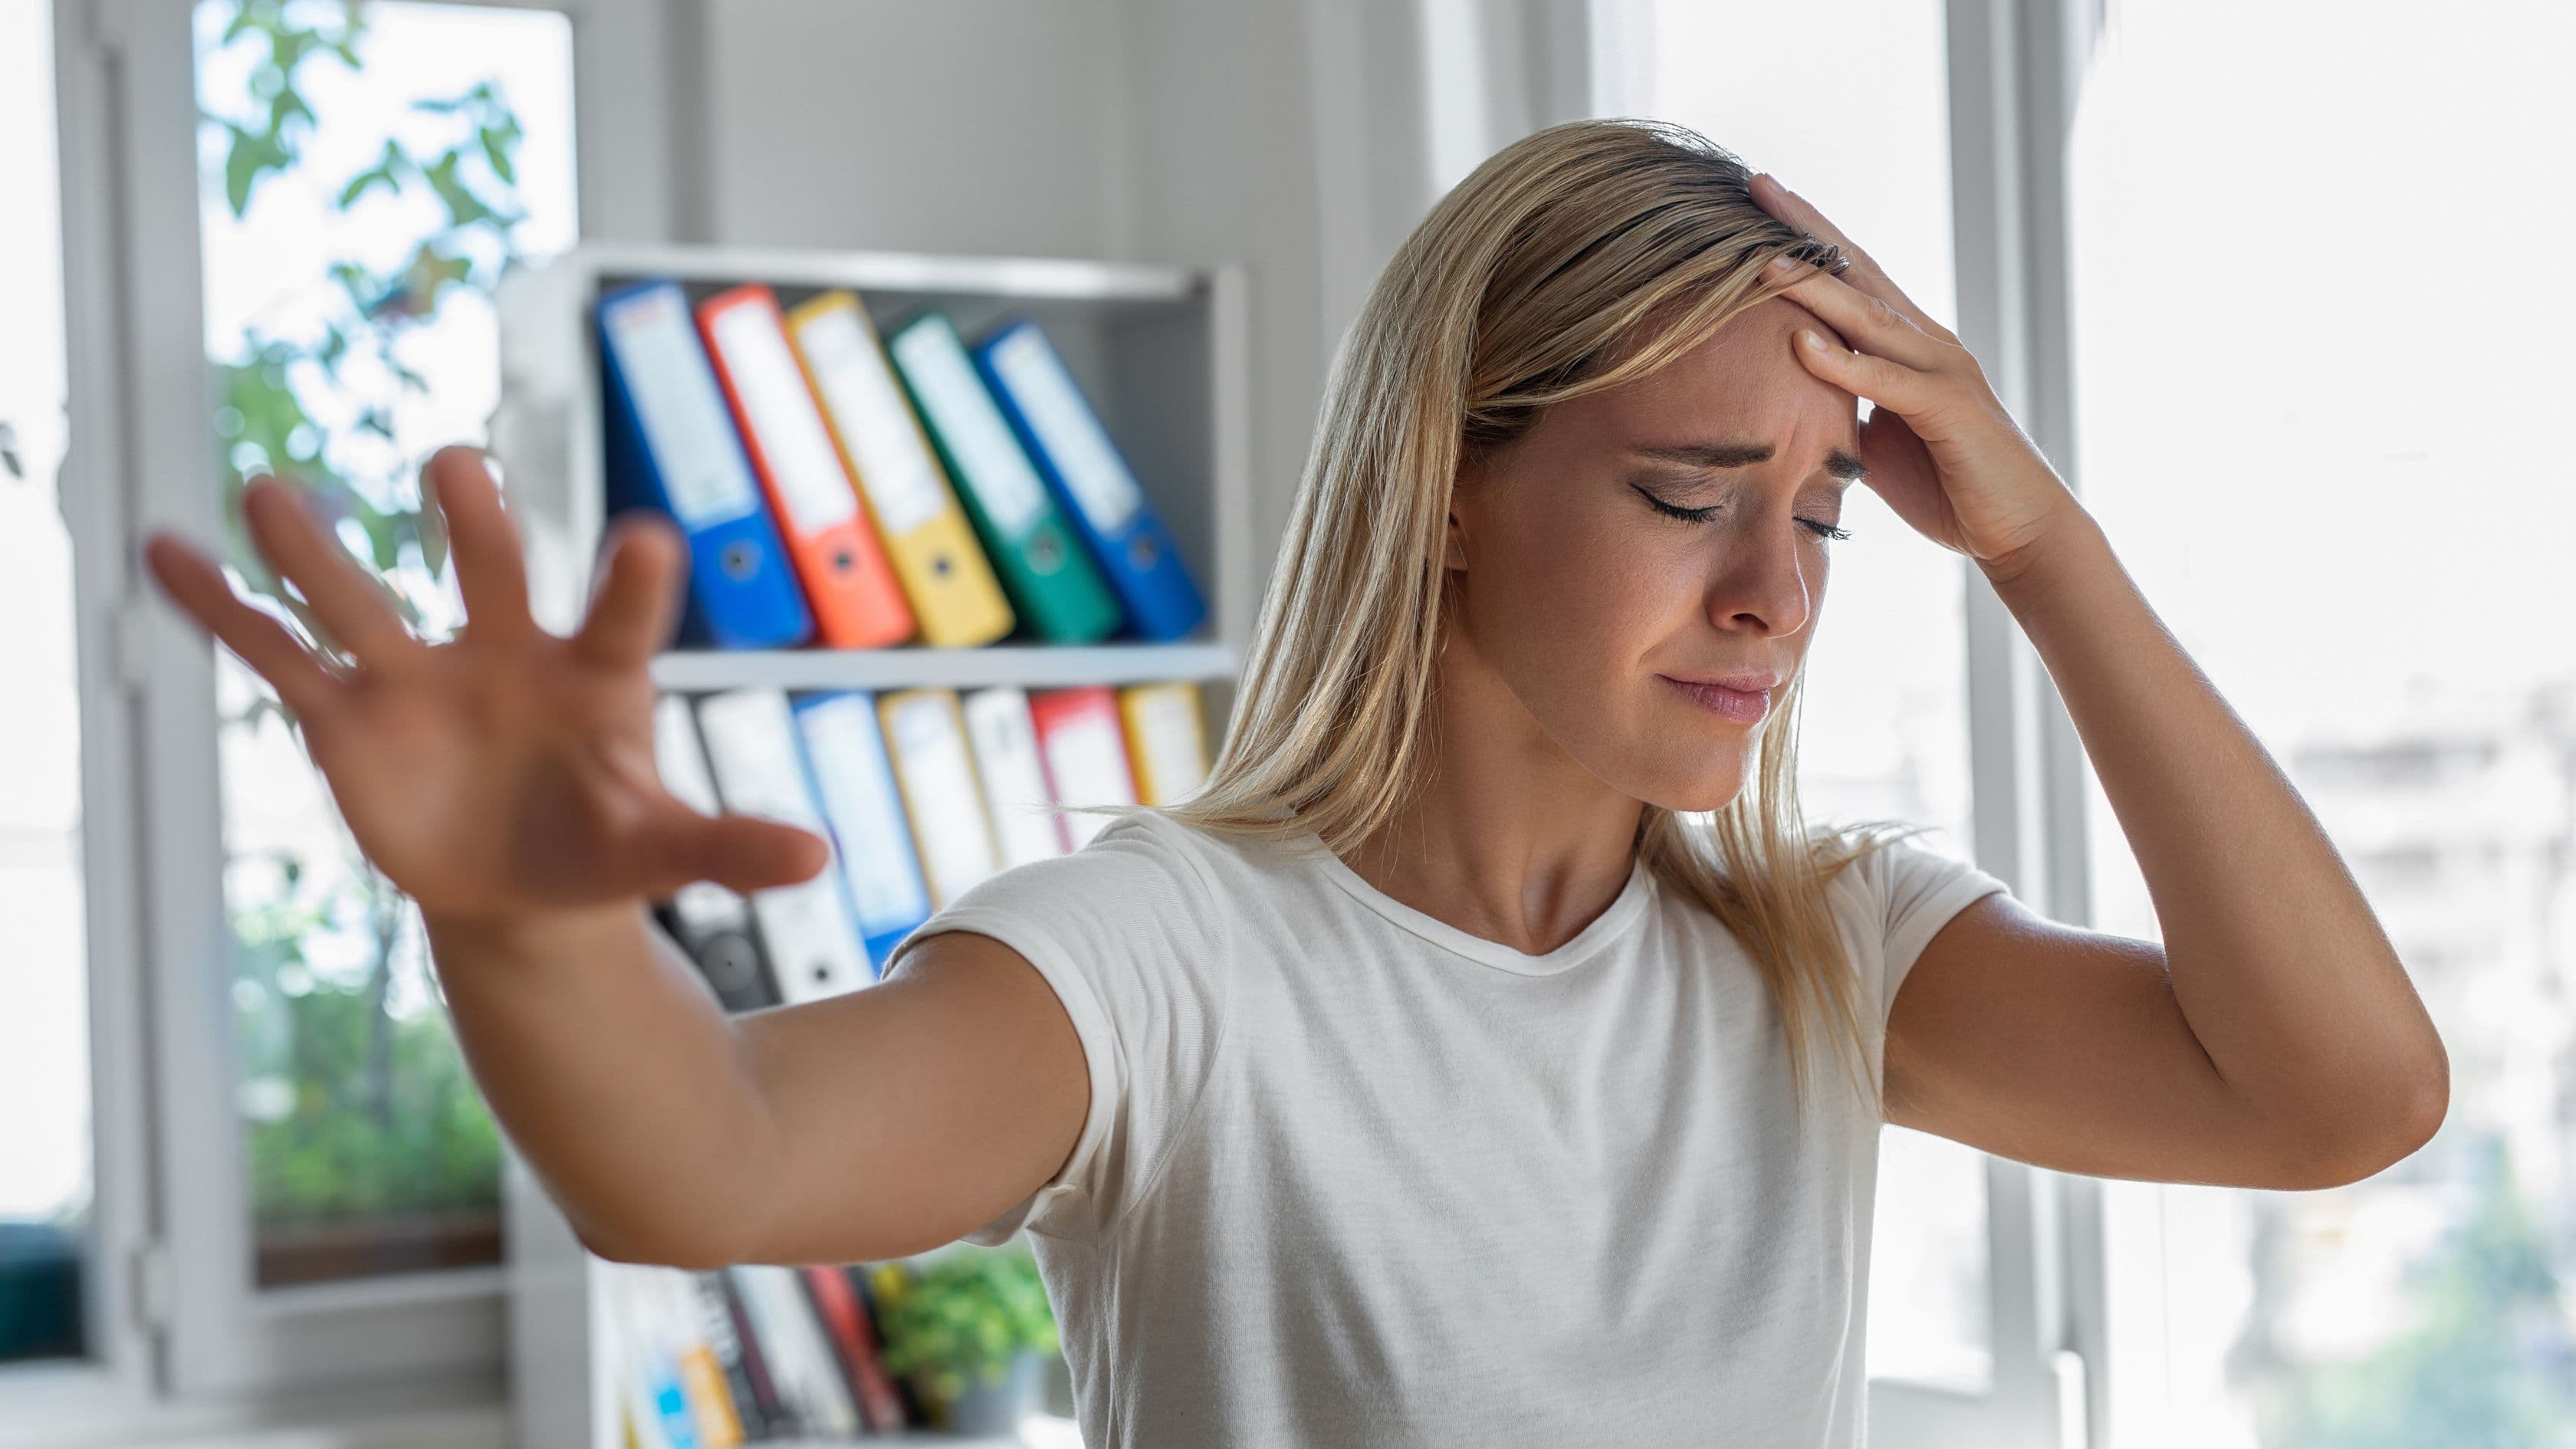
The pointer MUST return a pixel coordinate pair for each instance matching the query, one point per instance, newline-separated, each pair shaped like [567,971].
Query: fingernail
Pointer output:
[1810,341]
[1779,266]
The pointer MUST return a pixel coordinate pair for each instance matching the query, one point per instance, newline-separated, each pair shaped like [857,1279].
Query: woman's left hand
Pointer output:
[1939,446]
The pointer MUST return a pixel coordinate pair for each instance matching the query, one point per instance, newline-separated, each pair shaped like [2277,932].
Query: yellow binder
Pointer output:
[942,569]
[1166,741]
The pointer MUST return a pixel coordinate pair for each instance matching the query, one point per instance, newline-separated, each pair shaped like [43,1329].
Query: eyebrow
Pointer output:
[1732,454]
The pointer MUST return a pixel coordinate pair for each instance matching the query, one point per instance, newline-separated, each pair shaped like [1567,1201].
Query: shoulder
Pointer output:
[1895,895]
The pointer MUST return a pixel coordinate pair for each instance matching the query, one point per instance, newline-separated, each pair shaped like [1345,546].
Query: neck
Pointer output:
[1508,837]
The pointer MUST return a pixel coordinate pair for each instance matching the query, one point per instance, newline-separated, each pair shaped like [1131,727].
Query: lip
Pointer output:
[1745,698]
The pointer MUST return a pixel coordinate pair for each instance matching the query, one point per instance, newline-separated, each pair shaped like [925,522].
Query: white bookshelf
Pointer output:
[1162,352]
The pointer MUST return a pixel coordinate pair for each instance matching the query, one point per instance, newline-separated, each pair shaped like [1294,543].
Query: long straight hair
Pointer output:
[1581,257]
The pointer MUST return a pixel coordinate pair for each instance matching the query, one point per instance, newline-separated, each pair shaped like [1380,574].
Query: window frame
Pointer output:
[180,1332]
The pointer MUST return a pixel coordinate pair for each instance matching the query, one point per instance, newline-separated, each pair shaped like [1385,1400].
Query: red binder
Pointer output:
[846,1321]
[857,601]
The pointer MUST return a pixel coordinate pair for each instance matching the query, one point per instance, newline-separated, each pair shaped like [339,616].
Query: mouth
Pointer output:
[1744,698]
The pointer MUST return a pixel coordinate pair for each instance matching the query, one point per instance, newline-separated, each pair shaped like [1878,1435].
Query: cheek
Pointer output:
[1572,594]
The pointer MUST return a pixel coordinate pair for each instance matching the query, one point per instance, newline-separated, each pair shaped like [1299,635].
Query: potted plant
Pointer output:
[971,1330]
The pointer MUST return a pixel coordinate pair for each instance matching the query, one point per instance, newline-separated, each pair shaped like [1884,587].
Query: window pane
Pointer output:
[44,998]
[367,174]
[2315,450]
[1884,730]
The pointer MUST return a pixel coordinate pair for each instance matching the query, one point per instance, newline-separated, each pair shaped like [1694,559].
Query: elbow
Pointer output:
[658,1250]
[2390,1135]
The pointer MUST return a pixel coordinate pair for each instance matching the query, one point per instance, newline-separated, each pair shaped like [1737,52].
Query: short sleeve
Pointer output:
[1908,894]
[1127,933]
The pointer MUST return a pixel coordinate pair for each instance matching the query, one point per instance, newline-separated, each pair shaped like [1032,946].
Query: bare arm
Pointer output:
[506,782]
[2272,1041]
[870,1125]
[2274,1037]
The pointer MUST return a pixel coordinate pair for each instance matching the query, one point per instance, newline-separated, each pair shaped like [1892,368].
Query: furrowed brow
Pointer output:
[1723,454]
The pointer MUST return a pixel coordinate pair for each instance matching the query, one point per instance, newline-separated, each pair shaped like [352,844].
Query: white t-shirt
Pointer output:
[1352,1175]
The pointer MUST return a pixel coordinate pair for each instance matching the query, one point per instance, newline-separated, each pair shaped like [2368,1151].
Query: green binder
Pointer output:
[1051,579]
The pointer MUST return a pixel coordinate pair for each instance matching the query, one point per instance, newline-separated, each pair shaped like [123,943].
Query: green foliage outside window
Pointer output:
[359,1103]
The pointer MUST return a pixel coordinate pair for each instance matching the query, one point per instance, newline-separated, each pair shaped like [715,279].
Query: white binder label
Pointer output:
[938,778]
[683,416]
[751,745]
[1006,748]
[1094,473]
[989,459]
[850,764]
[780,409]
[895,465]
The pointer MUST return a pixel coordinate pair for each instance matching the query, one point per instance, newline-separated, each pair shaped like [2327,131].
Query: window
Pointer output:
[2310,432]
[1884,723]
[45,1151]
[367,172]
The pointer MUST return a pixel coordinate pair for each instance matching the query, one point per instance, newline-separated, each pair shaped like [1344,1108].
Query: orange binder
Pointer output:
[858,604]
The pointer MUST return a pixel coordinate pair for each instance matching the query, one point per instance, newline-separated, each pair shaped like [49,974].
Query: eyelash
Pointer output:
[1703,515]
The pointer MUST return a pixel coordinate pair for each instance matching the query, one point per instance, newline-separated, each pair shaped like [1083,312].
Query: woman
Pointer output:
[1446,1071]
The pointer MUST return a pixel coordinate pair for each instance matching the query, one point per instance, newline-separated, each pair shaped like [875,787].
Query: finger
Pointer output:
[272,651]
[1886,383]
[483,542]
[1870,323]
[347,601]
[1795,210]
[638,598]
[744,853]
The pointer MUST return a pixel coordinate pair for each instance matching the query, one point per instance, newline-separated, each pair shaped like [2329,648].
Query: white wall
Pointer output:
[1287,135]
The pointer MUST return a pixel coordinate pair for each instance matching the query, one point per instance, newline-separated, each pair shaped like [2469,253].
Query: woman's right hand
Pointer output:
[507,773]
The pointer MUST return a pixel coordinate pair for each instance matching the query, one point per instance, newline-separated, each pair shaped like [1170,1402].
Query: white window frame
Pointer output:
[181,1335]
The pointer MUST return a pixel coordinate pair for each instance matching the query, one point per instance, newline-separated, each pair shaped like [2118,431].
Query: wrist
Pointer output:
[2069,540]
[525,939]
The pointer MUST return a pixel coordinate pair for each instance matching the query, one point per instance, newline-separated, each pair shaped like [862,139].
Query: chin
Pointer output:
[1698,785]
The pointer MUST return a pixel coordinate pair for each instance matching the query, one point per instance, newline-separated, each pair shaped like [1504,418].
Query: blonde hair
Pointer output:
[1581,257]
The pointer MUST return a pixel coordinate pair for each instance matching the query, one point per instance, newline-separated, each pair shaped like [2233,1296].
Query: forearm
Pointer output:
[2276,959]
[614,1072]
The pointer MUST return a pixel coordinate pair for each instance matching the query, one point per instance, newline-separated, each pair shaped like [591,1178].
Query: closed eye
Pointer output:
[1816,526]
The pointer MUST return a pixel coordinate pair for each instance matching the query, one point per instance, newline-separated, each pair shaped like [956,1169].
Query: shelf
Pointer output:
[1031,666]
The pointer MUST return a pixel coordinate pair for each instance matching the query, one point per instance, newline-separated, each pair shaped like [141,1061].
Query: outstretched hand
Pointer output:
[508,772]
[1940,447]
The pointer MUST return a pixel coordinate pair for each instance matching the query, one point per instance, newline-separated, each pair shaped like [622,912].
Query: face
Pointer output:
[1588,611]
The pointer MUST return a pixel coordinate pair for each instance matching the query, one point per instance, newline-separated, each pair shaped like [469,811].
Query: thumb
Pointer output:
[744,853]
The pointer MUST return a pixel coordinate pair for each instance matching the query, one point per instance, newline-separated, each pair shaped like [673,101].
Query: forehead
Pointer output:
[1743,380]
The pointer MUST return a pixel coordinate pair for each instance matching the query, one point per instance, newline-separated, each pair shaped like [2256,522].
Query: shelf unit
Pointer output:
[1160,350]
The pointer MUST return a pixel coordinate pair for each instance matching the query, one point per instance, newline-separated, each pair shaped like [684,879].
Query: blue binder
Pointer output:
[1083,467]
[671,447]
[854,781]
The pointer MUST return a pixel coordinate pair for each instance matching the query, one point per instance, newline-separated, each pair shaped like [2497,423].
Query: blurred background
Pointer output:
[2271,282]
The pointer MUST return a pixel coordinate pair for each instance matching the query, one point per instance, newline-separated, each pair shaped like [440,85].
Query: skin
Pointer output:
[505,780]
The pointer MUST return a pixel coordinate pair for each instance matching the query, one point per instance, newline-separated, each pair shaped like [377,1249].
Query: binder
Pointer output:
[1166,739]
[653,1393]
[800,1361]
[1005,744]
[670,446]
[854,781]
[857,603]
[1090,477]
[709,921]
[847,1329]
[1085,749]
[745,1381]
[955,598]
[752,745]
[1050,576]
[926,738]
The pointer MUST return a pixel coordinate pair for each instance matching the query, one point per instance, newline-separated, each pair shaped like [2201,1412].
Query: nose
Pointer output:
[1764,579]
